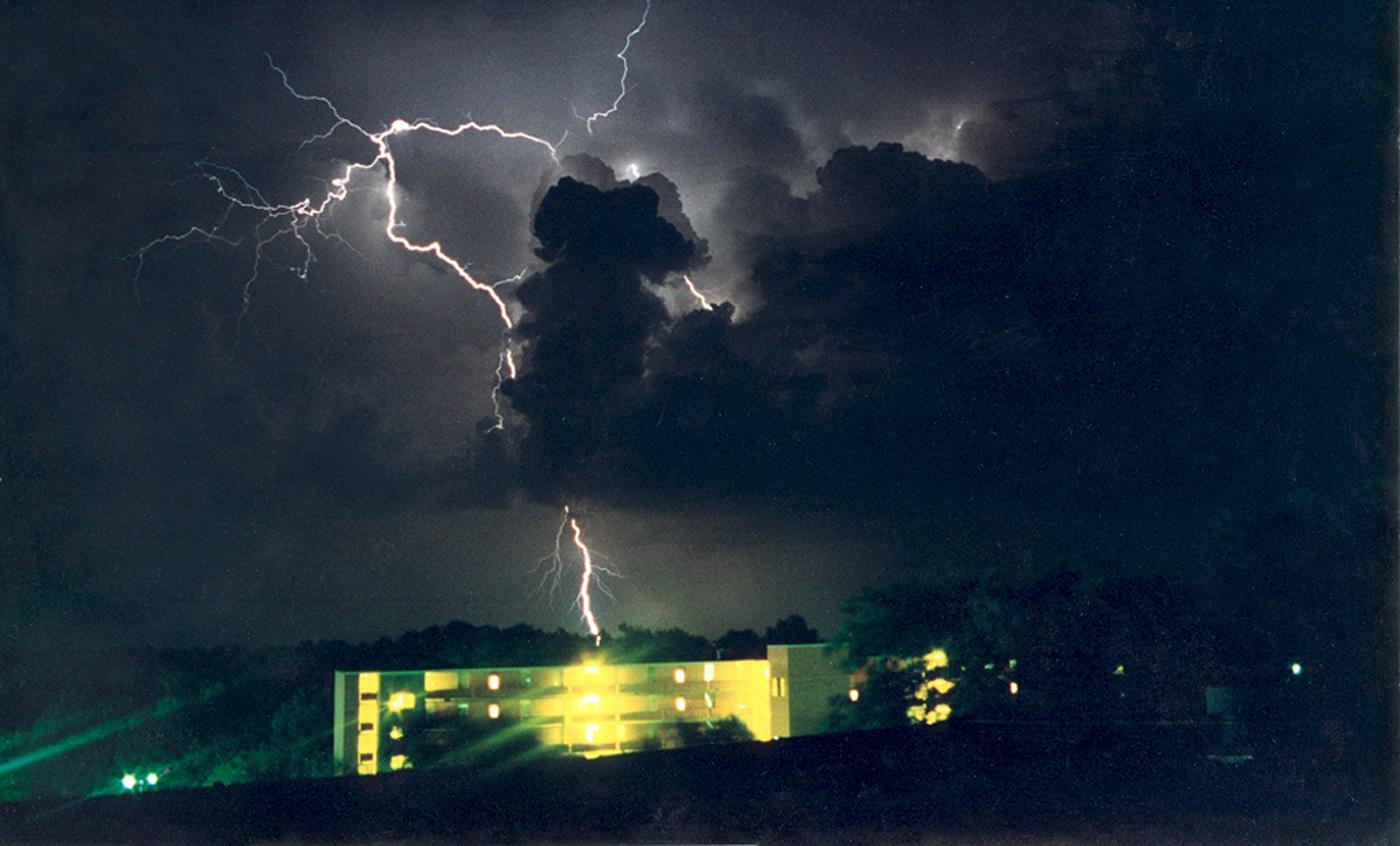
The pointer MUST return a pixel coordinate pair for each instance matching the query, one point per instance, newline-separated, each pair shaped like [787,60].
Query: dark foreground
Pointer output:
[956,784]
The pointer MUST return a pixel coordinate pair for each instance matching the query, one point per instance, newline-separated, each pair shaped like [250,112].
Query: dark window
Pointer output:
[366,756]
[366,726]
[366,697]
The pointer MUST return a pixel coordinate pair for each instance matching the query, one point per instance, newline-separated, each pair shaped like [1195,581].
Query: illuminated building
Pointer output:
[589,709]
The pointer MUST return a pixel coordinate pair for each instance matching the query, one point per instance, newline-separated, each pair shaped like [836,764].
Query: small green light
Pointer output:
[1296,668]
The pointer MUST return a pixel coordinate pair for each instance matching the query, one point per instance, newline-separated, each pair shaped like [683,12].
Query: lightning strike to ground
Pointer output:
[296,220]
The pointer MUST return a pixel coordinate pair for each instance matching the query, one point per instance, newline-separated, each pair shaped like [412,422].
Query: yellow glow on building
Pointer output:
[942,685]
[434,682]
[937,659]
[591,708]
[942,711]
[493,681]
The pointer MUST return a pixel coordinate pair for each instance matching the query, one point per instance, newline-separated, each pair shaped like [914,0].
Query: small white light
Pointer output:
[680,703]
[152,778]
[493,711]
[493,682]
[853,694]
[1014,688]
[1296,668]
[679,675]
[129,781]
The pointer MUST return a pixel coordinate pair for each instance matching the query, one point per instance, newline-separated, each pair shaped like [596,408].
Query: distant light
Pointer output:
[942,685]
[396,733]
[493,711]
[1011,664]
[680,703]
[679,675]
[1119,670]
[591,668]
[152,778]
[401,700]
[941,712]
[398,762]
[987,667]
[1296,668]
[590,730]
[1014,688]
[129,781]
[493,682]
[709,672]
[935,659]
[853,694]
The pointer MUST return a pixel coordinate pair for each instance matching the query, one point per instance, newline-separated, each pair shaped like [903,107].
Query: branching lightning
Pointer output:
[295,221]
[622,82]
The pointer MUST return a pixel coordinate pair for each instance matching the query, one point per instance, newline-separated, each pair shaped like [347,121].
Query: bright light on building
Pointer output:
[709,672]
[936,659]
[493,711]
[679,675]
[401,701]
[1014,688]
[129,781]
[396,733]
[493,682]
[853,694]
[152,778]
[1296,668]
[588,699]
[942,711]
[591,668]
[942,685]
[398,762]
[590,731]
[680,703]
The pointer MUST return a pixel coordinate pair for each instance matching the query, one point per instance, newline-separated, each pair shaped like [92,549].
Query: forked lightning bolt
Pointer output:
[295,220]
[697,294]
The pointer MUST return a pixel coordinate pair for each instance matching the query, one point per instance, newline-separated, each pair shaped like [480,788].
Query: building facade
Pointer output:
[592,708]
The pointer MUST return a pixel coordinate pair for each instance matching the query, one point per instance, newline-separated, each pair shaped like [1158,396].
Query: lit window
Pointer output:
[767,670]
[590,731]
[588,699]
[402,701]
[679,675]
[782,688]
[709,699]
[853,694]
[369,683]
[935,659]
[1014,688]
[680,703]
[435,681]
[493,711]
[398,762]
[942,685]
[709,672]
[773,688]
[493,682]
[942,711]
[396,733]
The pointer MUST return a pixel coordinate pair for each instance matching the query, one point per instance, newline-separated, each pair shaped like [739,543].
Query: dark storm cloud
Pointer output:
[1154,297]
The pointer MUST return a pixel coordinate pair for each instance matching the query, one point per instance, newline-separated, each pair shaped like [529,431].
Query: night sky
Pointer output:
[998,286]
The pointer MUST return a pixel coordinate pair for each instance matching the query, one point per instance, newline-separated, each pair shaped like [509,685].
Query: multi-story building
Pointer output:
[592,708]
